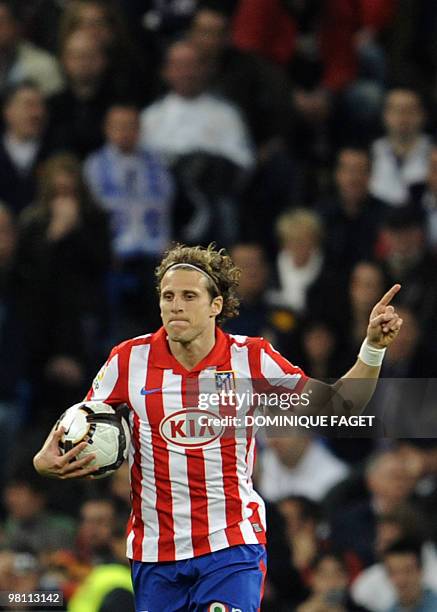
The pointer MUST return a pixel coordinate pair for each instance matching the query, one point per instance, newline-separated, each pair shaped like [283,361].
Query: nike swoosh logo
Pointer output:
[145,391]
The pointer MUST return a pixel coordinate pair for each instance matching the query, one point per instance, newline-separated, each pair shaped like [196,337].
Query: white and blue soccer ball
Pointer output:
[105,430]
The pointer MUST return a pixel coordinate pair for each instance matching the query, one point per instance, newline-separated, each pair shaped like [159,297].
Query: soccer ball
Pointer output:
[106,432]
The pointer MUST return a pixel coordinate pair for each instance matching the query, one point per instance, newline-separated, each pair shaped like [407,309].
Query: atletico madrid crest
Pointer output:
[225,381]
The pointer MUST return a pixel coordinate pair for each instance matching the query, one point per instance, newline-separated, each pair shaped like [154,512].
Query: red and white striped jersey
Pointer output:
[192,491]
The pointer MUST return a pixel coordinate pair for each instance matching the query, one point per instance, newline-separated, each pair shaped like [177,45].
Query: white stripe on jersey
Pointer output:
[275,374]
[137,377]
[177,465]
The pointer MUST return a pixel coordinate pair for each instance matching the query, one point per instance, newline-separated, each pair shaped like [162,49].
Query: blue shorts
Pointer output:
[229,580]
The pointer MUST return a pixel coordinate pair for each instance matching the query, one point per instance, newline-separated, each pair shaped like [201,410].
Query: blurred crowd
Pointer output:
[298,134]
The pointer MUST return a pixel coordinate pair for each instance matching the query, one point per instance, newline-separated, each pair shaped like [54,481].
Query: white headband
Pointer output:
[193,267]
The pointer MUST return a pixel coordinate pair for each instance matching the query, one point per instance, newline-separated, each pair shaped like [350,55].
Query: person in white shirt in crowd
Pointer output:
[400,159]
[189,119]
[302,466]
[19,59]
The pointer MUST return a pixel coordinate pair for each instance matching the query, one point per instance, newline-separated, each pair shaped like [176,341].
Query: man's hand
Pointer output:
[50,462]
[384,323]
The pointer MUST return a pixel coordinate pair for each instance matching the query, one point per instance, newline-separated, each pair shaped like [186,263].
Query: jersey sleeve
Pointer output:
[278,374]
[108,385]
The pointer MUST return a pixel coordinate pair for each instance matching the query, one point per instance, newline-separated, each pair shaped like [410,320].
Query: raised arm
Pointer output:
[352,392]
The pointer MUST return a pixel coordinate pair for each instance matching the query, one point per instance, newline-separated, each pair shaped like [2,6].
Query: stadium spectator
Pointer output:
[108,587]
[406,257]
[63,256]
[104,21]
[389,485]
[352,216]
[287,467]
[372,587]
[93,538]
[320,349]
[24,144]
[425,196]
[254,315]
[303,277]
[20,60]
[11,408]
[189,119]
[400,159]
[133,185]
[302,521]
[336,34]
[260,90]
[136,190]
[76,112]
[404,566]
[329,587]
[207,142]
[366,280]
[29,524]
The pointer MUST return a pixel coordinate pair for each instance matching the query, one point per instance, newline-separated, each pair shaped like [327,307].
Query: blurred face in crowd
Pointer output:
[209,32]
[184,71]
[329,576]
[301,243]
[404,246]
[122,128]
[405,574]
[93,19]
[389,481]
[25,114]
[352,175]
[97,522]
[83,58]
[432,173]
[254,271]
[7,236]
[318,342]
[403,114]
[8,29]
[22,502]
[366,286]
[64,184]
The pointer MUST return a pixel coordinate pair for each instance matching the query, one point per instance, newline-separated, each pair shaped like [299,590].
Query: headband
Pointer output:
[193,267]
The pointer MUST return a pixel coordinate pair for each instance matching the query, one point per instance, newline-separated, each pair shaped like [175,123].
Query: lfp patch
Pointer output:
[225,381]
[99,378]
[218,607]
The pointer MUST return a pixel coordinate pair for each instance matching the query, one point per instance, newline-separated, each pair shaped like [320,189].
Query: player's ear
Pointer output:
[216,306]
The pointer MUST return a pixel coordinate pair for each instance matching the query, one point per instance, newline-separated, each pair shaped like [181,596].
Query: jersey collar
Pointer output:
[161,356]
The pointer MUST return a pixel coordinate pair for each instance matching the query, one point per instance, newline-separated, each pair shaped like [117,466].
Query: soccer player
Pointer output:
[196,534]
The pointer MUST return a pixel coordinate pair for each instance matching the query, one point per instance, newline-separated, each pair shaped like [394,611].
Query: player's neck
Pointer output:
[189,354]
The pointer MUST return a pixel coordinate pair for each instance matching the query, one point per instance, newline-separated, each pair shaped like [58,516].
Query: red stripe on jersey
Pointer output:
[137,523]
[164,500]
[233,503]
[196,478]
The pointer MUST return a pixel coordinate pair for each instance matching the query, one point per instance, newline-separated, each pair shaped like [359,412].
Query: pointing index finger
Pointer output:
[387,298]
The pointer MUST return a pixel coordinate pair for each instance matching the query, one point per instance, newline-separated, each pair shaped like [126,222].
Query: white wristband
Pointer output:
[370,355]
